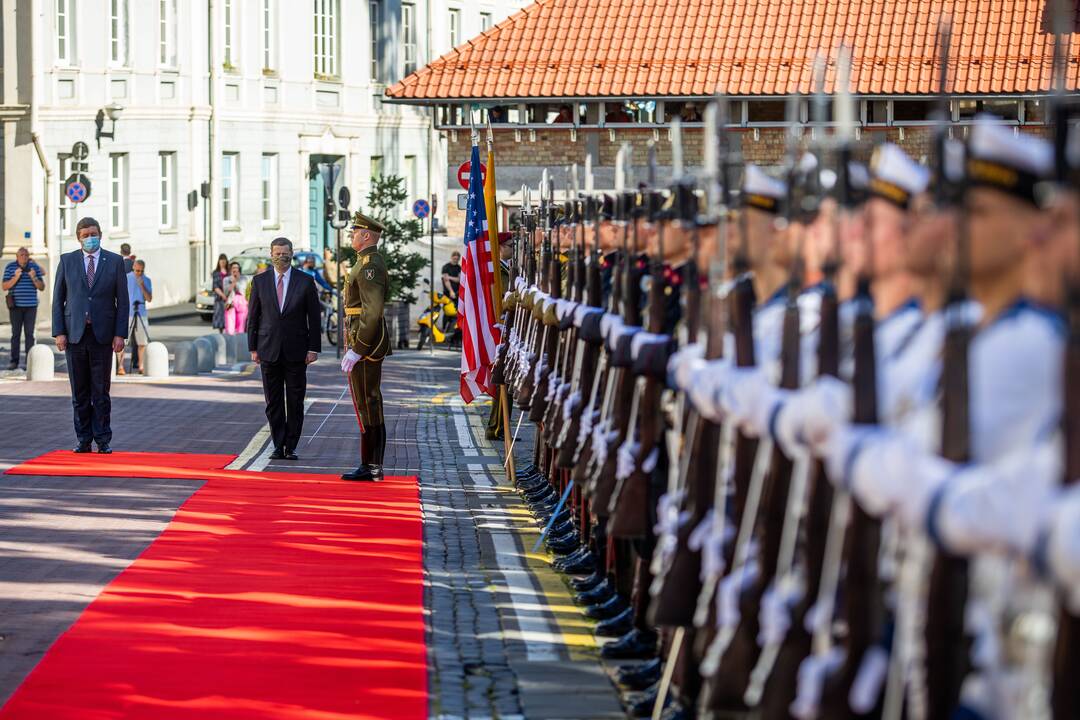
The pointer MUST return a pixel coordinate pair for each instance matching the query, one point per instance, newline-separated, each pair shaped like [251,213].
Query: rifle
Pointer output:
[678,578]
[739,647]
[947,644]
[535,336]
[780,688]
[629,505]
[550,334]
[563,368]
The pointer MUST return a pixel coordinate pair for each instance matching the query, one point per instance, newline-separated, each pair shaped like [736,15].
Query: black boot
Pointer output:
[634,645]
[371,444]
[606,610]
[618,625]
[588,583]
[639,677]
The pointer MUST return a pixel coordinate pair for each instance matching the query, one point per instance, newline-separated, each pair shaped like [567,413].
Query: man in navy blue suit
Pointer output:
[90,321]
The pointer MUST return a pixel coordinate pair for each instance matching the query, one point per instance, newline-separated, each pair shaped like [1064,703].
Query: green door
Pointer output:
[316,212]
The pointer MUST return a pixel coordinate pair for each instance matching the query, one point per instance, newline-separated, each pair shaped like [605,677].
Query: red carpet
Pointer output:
[294,598]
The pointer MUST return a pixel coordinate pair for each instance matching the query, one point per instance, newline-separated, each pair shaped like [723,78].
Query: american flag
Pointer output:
[476,318]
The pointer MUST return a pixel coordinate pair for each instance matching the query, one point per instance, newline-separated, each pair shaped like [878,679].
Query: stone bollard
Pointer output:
[221,350]
[237,345]
[185,359]
[40,363]
[204,352]
[157,360]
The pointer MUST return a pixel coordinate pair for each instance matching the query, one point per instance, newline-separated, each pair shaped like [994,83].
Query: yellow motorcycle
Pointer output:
[439,321]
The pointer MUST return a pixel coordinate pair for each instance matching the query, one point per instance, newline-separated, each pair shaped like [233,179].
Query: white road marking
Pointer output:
[259,463]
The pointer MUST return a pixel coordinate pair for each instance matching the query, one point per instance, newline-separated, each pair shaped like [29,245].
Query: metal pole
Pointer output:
[431,271]
[340,305]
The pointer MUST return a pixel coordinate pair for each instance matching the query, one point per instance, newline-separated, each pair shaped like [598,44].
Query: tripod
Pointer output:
[136,321]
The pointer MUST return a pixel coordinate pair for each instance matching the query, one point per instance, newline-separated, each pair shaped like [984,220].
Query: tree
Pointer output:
[385,200]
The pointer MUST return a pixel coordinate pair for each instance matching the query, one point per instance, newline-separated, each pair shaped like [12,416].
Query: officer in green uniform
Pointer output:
[366,290]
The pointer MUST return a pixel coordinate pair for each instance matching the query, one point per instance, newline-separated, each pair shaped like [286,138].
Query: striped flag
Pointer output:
[476,318]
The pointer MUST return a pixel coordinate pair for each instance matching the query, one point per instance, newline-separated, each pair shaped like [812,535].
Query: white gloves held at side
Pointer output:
[348,360]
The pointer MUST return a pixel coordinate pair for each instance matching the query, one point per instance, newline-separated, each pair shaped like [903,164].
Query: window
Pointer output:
[376,166]
[1004,109]
[118,165]
[167,33]
[118,32]
[167,190]
[269,187]
[229,33]
[905,111]
[453,26]
[229,183]
[1034,111]
[408,37]
[326,38]
[877,112]
[65,32]
[66,207]
[373,22]
[485,21]
[765,111]
[268,28]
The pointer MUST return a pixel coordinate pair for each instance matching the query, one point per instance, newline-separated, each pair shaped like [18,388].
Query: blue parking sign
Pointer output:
[421,209]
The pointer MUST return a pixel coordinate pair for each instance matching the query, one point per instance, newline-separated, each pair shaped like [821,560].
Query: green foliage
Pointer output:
[384,202]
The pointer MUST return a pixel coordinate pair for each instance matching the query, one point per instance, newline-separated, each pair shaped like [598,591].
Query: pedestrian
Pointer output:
[129,258]
[140,292]
[284,337]
[217,281]
[368,342]
[89,321]
[236,302]
[330,267]
[308,267]
[22,282]
[451,280]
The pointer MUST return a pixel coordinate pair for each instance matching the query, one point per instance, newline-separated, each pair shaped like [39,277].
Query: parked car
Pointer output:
[252,261]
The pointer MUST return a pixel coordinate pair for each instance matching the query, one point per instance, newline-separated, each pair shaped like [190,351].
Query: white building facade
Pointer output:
[230,105]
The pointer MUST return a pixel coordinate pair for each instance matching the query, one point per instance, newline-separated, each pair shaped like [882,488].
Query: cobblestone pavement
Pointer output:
[504,638]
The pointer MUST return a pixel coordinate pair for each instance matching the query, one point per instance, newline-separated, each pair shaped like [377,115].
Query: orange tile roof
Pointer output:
[636,48]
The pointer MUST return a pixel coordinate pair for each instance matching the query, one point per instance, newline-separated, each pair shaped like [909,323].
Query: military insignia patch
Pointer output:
[369,274]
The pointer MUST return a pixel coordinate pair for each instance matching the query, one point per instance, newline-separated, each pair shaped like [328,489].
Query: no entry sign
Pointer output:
[465,169]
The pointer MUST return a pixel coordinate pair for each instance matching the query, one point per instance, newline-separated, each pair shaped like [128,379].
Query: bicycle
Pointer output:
[329,300]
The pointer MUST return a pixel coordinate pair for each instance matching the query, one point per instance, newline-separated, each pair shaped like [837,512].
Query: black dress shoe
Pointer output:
[634,645]
[83,448]
[278,454]
[639,677]
[367,473]
[586,584]
[675,711]
[618,625]
[104,449]
[642,706]
[583,566]
[290,455]
[605,610]
[600,593]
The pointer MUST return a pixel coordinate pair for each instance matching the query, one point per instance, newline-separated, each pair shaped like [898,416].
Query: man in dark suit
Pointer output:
[284,337]
[90,322]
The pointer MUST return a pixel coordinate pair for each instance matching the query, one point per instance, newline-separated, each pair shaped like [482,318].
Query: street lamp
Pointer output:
[112,112]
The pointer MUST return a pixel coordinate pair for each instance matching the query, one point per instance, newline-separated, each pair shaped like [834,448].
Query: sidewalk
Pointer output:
[504,639]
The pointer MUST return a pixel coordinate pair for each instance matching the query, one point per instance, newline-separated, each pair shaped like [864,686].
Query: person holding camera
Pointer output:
[22,282]
[140,292]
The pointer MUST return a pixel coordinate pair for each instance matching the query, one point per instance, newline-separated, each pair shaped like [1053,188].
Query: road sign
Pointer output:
[77,188]
[421,209]
[465,169]
[80,151]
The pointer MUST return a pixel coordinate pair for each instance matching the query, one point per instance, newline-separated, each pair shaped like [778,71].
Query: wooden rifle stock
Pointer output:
[538,404]
[862,598]
[732,677]
[528,386]
[1065,696]
[781,687]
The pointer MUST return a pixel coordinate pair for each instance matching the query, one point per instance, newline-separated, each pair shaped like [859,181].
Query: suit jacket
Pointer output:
[290,333]
[105,303]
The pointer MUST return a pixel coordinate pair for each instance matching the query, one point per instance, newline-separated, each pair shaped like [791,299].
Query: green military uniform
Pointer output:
[367,288]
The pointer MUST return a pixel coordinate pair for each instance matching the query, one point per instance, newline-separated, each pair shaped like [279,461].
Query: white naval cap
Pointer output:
[761,190]
[895,176]
[999,158]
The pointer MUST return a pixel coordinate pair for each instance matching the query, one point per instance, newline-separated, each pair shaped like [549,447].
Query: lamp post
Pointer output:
[112,112]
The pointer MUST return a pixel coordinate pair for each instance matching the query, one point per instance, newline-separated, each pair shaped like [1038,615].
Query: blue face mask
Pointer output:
[91,243]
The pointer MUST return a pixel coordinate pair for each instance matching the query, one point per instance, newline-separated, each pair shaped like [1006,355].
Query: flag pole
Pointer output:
[497,288]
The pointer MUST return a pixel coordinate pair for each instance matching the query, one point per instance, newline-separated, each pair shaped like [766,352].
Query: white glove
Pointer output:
[684,362]
[1002,506]
[809,416]
[1063,547]
[704,385]
[349,360]
[748,398]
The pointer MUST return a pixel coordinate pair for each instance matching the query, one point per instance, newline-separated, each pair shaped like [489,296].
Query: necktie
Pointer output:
[280,291]
[90,271]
